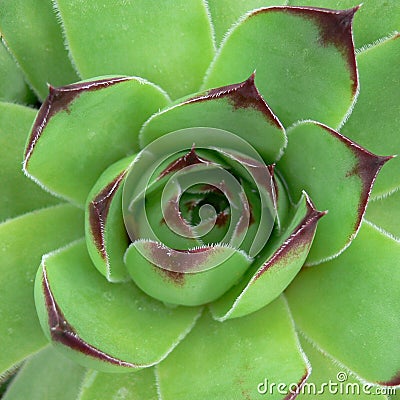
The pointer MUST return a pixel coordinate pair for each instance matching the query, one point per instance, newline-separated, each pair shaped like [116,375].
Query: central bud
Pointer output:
[196,214]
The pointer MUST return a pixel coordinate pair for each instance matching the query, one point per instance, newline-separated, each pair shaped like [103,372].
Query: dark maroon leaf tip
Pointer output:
[367,167]
[301,236]
[98,211]
[58,100]
[241,95]
[62,332]
[188,159]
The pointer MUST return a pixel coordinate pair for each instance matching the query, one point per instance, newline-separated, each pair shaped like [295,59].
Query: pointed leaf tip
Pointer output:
[242,95]
[301,236]
[367,167]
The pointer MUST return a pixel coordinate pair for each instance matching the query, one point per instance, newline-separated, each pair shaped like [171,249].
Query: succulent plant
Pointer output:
[196,214]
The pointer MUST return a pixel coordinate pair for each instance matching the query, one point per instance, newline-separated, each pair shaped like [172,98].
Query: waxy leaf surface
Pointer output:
[225,13]
[13,88]
[106,236]
[325,370]
[192,277]
[385,213]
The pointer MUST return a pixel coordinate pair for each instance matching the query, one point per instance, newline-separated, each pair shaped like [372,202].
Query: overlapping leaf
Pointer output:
[304,60]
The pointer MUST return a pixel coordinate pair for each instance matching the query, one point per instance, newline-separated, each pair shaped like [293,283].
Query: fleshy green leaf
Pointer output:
[46,375]
[18,194]
[106,326]
[191,277]
[168,43]
[349,306]
[304,60]
[23,240]
[274,268]
[375,20]
[232,359]
[139,385]
[12,85]
[225,13]
[338,175]
[83,128]
[375,120]
[31,31]
[237,108]
[325,370]
[385,213]
[106,236]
